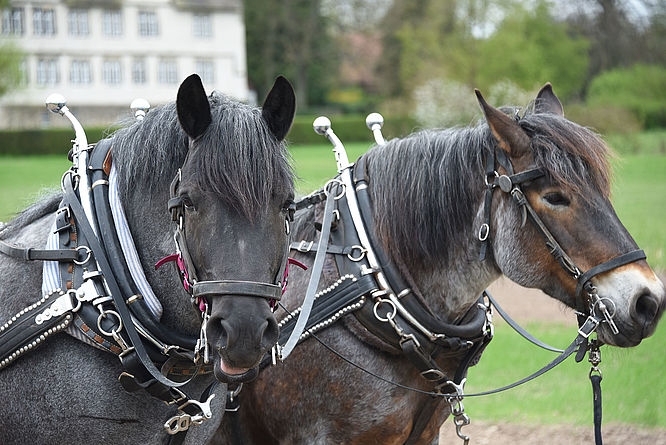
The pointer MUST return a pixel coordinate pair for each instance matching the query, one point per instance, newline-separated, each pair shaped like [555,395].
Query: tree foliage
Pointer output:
[531,48]
[640,89]
[10,74]
[292,38]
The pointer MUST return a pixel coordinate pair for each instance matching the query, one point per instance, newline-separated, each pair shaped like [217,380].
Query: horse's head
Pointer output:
[571,200]
[233,194]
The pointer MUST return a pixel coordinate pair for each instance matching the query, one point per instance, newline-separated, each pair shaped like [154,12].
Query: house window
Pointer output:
[111,72]
[167,72]
[206,70]
[148,23]
[139,71]
[202,26]
[47,71]
[13,21]
[79,72]
[77,22]
[112,23]
[43,21]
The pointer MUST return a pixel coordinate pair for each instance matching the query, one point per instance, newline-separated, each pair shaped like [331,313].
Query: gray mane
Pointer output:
[237,156]
[426,188]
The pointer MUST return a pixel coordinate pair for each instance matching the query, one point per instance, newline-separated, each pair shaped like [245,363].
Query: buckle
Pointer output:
[588,327]
[304,246]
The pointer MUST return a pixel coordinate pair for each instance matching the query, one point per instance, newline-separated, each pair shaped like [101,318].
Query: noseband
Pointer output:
[510,183]
[199,290]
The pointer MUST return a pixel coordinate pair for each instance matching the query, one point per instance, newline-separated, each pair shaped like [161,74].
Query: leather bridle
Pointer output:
[199,290]
[511,183]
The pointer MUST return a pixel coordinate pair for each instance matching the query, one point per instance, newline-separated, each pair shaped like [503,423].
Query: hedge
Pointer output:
[349,128]
[40,142]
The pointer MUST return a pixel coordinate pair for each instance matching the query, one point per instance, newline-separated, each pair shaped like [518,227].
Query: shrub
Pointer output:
[603,120]
[641,89]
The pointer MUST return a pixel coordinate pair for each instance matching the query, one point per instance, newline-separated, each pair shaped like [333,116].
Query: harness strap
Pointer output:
[237,287]
[596,398]
[519,329]
[308,246]
[100,256]
[581,339]
[316,270]
[30,254]
[618,261]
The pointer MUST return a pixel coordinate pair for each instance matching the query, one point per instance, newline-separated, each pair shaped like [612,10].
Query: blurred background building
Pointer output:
[102,54]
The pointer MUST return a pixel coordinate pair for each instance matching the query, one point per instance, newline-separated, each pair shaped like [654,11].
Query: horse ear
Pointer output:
[279,108]
[193,107]
[509,135]
[547,102]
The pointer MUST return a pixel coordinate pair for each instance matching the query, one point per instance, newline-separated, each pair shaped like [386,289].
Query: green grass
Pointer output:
[23,179]
[633,389]
[651,142]
[315,164]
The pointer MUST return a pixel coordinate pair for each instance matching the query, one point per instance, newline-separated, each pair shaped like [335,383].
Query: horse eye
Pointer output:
[187,202]
[556,199]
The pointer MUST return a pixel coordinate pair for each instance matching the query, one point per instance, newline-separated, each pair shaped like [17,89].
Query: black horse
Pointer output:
[230,203]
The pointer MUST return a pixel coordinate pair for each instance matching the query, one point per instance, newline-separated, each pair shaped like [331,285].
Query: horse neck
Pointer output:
[152,231]
[449,283]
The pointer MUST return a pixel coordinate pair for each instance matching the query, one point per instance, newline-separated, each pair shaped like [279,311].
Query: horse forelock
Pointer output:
[426,187]
[573,156]
[237,157]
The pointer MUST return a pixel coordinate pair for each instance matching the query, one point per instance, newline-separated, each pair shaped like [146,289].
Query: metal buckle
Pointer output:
[589,326]
[305,246]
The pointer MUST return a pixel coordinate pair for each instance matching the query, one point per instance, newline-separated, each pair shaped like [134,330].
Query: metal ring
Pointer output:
[62,178]
[390,315]
[361,250]
[484,231]
[600,300]
[493,174]
[103,315]
[88,254]
[329,183]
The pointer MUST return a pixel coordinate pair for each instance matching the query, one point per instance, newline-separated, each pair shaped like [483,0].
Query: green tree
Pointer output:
[10,60]
[530,48]
[292,38]
[640,89]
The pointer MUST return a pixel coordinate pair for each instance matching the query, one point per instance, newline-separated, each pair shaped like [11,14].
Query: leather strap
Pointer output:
[71,199]
[630,257]
[596,400]
[237,287]
[315,274]
[30,254]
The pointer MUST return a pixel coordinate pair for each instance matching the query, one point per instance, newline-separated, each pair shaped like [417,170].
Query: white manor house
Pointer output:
[102,54]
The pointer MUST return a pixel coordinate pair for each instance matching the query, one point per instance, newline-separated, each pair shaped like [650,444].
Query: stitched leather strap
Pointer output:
[630,257]
[237,287]
[29,254]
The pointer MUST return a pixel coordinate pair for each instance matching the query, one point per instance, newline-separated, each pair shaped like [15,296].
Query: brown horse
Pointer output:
[427,197]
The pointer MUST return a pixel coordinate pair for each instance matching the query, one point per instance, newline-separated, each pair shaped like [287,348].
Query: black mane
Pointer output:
[237,157]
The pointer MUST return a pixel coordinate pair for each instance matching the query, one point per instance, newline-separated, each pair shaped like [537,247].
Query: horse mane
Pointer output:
[418,222]
[237,157]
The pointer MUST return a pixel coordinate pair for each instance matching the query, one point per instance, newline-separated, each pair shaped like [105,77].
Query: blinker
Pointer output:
[505,183]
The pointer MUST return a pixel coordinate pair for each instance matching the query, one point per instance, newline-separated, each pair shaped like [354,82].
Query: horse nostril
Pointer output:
[226,336]
[270,334]
[646,308]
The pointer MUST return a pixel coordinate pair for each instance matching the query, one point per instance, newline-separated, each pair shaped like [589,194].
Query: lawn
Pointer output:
[633,387]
